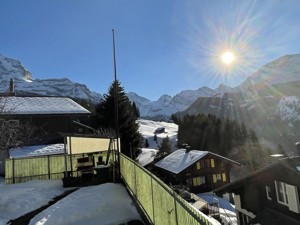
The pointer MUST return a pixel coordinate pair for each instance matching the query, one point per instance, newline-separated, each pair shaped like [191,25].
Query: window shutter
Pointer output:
[198,165]
[212,162]
[224,177]
[214,178]
[293,199]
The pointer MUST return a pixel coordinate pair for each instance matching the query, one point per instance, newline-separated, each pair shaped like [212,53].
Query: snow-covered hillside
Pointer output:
[147,129]
[289,108]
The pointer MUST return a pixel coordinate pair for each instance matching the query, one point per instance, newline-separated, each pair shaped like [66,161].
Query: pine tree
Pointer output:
[128,128]
[136,110]
[146,143]
[166,145]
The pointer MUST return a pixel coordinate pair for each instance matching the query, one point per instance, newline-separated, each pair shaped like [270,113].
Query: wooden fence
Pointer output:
[157,200]
[41,167]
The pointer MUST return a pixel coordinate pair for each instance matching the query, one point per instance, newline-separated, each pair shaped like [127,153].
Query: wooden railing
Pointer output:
[158,201]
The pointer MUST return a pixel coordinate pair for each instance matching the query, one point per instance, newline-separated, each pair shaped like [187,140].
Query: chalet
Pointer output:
[159,130]
[51,115]
[199,171]
[269,196]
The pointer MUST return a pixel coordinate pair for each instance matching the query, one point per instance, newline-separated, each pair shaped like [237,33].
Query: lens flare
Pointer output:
[228,57]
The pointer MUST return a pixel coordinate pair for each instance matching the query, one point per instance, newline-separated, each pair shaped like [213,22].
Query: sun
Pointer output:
[228,57]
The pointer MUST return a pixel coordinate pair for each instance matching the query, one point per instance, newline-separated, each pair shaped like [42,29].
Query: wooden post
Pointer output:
[65,151]
[48,159]
[71,163]
[13,170]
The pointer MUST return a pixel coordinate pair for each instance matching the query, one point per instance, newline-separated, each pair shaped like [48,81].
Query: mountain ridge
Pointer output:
[24,83]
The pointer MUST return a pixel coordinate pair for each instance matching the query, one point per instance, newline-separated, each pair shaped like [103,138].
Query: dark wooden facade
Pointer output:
[49,116]
[50,126]
[269,196]
[206,174]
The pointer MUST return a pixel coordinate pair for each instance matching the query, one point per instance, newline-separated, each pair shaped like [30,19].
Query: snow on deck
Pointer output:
[180,159]
[104,204]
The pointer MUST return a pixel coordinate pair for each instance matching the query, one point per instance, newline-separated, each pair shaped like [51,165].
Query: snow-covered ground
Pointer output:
[147,129]
[108,203]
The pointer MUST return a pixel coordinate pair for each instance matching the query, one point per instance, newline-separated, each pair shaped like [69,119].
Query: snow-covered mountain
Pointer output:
[167,105]
[283,70]
[268,102]
[25,84]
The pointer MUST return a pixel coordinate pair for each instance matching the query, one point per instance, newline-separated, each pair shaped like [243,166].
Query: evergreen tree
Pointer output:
[146,143]
[128,128]
[166,145]
[136,110]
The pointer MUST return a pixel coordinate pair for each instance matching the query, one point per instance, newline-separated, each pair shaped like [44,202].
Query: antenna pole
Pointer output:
[116,100]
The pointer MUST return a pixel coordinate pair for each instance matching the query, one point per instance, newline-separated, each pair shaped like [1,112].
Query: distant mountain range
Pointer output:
[26,85]
[267,101]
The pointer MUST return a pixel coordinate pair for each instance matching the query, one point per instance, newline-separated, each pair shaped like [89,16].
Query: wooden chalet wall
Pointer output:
[204,175]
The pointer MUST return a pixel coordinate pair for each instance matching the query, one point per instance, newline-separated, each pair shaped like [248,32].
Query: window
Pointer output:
[217,177]
[198,165]
[281,193]
[212,162]
[268,192]
[224,177]
[287,195]
[197,181]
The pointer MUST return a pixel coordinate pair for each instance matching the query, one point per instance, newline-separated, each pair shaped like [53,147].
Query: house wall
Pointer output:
[204,175]
[52,124]
[3,156]
[253,197]
[215,170]
[291,180]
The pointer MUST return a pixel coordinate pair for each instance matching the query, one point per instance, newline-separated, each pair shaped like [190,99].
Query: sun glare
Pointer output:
[228,57]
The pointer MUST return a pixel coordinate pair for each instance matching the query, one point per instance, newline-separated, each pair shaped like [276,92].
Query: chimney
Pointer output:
[187,147]
[297,149]
[11,88]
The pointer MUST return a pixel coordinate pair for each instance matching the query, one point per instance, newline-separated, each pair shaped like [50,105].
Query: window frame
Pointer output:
[268,192]
[281,192]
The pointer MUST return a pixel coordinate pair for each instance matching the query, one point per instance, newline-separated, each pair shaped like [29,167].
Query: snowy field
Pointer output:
[104,204]
[147,129]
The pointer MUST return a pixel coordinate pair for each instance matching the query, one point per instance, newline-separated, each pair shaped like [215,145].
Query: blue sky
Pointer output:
[163,47]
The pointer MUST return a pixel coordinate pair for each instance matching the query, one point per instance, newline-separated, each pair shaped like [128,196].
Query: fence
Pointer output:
[159,202]
[41,167]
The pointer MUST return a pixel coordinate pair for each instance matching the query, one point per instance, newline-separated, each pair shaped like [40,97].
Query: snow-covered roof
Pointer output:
[36,150]
[14,105]
[180,159]
[147,156]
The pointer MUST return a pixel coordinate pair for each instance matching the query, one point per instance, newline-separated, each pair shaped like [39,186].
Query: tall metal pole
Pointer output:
[116,100]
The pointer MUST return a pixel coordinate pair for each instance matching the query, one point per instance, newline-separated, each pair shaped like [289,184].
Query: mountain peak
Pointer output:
[25,84]
[222,88]
[282,70]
